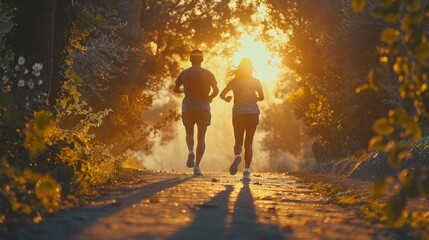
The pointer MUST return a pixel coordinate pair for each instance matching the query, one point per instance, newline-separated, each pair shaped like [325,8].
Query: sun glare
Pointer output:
[267,64]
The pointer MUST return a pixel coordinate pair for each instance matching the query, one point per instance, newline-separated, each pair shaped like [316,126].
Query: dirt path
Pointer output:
[216,206]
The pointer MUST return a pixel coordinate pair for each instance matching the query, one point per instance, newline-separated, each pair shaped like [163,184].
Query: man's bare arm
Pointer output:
[177,88]
[215,91]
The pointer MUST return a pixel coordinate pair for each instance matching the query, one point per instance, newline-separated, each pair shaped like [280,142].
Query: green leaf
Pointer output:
[358,5]
[383,127]
[42,121]
[390,35]
[411,21]
[413,5]
[389,10]
[386,3]
[38,131]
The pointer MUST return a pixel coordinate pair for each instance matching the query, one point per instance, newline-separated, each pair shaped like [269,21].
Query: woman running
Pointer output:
[247,91]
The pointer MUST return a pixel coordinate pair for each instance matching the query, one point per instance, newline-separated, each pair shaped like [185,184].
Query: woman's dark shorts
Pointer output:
[196,117]
[246,120]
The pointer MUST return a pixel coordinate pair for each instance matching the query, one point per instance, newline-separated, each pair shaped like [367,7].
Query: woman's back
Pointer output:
[245,98]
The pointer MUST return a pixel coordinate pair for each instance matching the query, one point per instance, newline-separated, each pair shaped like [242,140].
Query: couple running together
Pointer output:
[200,87]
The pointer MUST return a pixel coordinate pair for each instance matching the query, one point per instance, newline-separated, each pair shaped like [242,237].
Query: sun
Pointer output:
[267,64]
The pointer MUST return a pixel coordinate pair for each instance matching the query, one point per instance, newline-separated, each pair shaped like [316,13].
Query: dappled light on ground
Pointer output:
[217,206]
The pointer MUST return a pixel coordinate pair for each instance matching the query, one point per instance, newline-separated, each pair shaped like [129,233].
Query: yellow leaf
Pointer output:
[376,143]
[383,59]
[390,35]
[393,158]
[383,127]
[358,5]
[48,192]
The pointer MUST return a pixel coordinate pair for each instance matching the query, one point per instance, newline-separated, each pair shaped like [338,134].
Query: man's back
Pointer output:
[196,83]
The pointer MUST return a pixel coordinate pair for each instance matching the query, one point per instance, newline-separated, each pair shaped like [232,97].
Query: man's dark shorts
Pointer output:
[202,118]
[245,120]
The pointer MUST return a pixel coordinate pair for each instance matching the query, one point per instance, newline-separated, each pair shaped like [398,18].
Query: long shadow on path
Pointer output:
[142,193]
[245,223]
[209,222]
[74,223]
[212,223]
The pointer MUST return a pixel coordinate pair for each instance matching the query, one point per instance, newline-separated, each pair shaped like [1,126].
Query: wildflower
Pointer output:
[38,67]
[21,60]
[26,71]
[5,79]
[16,68]
[40,82]
[30,84]
[21,83]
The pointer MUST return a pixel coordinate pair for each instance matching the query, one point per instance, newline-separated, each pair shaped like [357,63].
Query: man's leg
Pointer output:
[189,128]
[201,146]
[190,137]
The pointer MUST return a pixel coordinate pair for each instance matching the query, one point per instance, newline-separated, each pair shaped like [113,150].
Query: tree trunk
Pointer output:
[39,37]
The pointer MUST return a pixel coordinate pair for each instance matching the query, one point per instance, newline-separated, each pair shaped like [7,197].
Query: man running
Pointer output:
[197,84]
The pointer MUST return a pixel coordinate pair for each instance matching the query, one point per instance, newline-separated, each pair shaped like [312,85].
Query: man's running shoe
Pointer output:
[190,162]
[234,165]
[246,175]
[197,171]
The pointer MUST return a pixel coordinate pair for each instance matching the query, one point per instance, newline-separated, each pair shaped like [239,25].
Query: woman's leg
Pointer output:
[248,142]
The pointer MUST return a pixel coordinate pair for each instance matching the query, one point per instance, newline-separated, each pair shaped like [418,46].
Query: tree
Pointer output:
[329,49]
[39,36]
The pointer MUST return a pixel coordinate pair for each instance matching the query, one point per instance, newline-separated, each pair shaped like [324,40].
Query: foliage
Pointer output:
[328,50]
[37,154]
[25,124]
[97,53]
[403,49]
[373,207]
[44,165]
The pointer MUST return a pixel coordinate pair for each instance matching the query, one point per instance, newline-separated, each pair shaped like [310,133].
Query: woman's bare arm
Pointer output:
[224,92]
[260,92]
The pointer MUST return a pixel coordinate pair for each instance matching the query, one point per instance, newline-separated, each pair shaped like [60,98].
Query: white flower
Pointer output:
[38,67]
[5,79]
[30,84]
[21,60]
[40,82]
[17,68]
[26,71]
[21,83]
